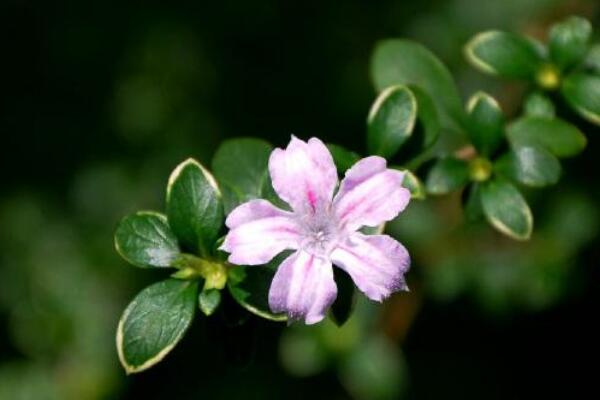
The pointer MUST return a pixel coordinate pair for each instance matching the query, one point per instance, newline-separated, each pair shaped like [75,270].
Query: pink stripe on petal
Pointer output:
[303,287]
[376,264]
[303,174]
[257,242]
[370,194]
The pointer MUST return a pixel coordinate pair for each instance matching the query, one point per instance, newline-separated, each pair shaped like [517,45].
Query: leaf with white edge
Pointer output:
[194,207]
[413,184]
[538,105]
[559,137]
[569,41]
[343,158]
[404,62]
[447,175]
[209,300]
[145,239]
[531,166]
[391,120]
[249,286]
[241,167]
[582,92]
[427,115]
[506,209]
[154,322]
[504,54]
[486,122]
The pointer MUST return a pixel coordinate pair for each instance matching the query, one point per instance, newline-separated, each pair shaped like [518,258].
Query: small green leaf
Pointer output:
[249,286]
[559,137]
[241,167]
[592,59]
[582,92]
[404,62]
[342,307]
[391,120]
[154,322]
[504,54]
[446,175]
[531,166]
[538,105]
[194,207]
[569,41]
[486,122]
[506,209]
[413,184]
[344,159]
[209,300]
[145,239]
[472,209]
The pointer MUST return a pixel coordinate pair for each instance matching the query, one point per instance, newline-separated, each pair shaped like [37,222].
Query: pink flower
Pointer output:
[322,228]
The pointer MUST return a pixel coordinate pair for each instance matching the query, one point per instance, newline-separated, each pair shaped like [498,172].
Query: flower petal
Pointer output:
[303,174]
[376,263]
[303,287]
[370,194]
[258,232]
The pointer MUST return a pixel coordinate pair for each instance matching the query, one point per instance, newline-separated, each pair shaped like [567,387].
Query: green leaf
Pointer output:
[486,122]
[194,207]
[249,286]
[427,115]
[343,158]
[472,209]
[413,184]
[241,167]
[559,137]
[209,300]
[154,322]
[592,59]
[145,239]
[504,54]
[538,105]
[404,62]
[447,175]
[582,92]
[391,120]
[506,209]
[531,166]
[342,307]
[569,41]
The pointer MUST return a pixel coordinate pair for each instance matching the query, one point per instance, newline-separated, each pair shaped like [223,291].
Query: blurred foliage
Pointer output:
[101,101]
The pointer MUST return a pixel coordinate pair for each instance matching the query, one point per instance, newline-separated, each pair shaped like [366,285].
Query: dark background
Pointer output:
[100,100]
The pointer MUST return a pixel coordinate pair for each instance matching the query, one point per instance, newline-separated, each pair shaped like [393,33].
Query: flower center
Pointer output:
[320,234]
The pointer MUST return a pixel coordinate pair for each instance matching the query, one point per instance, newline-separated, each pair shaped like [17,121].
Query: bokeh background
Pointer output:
[100,100]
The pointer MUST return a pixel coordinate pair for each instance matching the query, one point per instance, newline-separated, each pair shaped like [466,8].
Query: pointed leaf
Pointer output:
[447,175]
[209,300]
[404,62]
[506,209]
[486,122]
[569,41]
[249,286]
[557,136]
[504,54]
[194,207]
[154,322]
[391,120]
[538,105]
[145,239]
[241,167]
[583,94]
[413,184]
